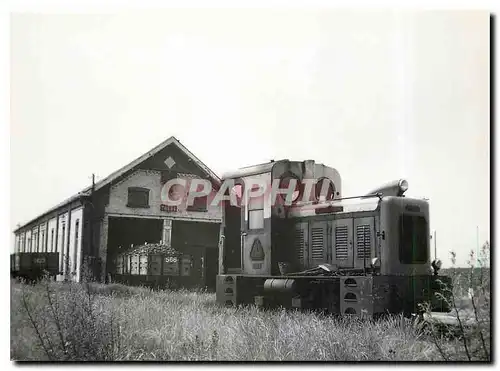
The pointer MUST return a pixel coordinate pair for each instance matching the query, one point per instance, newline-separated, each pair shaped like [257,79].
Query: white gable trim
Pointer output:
[110,178]
[151,153]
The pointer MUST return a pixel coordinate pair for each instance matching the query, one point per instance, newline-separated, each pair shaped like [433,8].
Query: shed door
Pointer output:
[342,243]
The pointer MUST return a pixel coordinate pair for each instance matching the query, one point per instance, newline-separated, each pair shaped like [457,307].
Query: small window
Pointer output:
[199,203]
[256,211]
[413,239]
[256,219]
[138,197]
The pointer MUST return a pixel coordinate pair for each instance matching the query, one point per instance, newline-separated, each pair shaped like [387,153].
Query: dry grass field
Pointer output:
[77,322]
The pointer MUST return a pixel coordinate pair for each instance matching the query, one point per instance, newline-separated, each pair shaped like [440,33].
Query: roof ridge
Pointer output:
[108,179]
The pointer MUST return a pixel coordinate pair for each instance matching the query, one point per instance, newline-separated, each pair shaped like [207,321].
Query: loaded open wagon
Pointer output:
[155,265]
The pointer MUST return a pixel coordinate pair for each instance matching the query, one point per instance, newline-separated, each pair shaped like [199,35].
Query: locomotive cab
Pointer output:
[405,236]
[256,229]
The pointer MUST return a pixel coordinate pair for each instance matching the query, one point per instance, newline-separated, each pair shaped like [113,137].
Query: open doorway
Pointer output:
[198,243]
[232,241]
[124,232]
[211,267]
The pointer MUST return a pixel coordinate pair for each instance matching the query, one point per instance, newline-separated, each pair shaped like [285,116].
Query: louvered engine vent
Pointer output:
[363,246]
[317,243]
[299,245]
[341,242]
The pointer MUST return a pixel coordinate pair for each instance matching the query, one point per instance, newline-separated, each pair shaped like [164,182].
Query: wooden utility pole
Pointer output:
[91,261]
[91,219]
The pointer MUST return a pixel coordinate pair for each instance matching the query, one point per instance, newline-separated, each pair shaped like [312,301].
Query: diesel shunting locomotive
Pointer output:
[312,248]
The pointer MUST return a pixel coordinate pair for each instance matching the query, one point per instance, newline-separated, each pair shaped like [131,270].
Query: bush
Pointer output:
[469,336]
[67,321]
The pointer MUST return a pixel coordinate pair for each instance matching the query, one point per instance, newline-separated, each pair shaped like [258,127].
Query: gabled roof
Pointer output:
[110,178]
[151,153]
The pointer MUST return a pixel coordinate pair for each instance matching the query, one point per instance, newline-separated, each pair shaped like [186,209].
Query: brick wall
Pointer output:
[151,180]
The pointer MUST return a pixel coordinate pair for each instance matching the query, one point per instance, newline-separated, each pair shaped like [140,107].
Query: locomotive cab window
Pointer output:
[413,239]
[138,197]
[324,190]
[286,182]
[256,211]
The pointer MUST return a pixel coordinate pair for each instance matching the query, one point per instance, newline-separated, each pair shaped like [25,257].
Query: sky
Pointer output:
[378,95]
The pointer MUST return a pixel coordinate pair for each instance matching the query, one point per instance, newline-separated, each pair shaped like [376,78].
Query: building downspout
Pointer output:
[47,237]
[66,255]
[56,237]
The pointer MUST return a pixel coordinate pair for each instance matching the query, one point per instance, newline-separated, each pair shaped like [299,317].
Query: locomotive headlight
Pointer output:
[436,265]
[375,263]
[403,186]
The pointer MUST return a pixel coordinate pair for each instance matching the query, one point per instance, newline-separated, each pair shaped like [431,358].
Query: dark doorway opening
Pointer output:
[124,232]
[211,267]
[232,241]
[198,242]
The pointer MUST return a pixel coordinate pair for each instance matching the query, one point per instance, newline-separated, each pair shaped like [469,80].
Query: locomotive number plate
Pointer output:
[39,260]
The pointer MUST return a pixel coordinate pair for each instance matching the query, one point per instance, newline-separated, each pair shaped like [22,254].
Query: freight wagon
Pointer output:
[155,265]
[33,266]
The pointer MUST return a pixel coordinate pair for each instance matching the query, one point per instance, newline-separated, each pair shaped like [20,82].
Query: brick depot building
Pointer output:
[124,209]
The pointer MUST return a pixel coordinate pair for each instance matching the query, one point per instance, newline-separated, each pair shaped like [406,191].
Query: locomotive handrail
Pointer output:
[331,202]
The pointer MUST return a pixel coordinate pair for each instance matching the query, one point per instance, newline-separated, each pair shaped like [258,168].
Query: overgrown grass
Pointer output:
[114,322]
[93,322]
